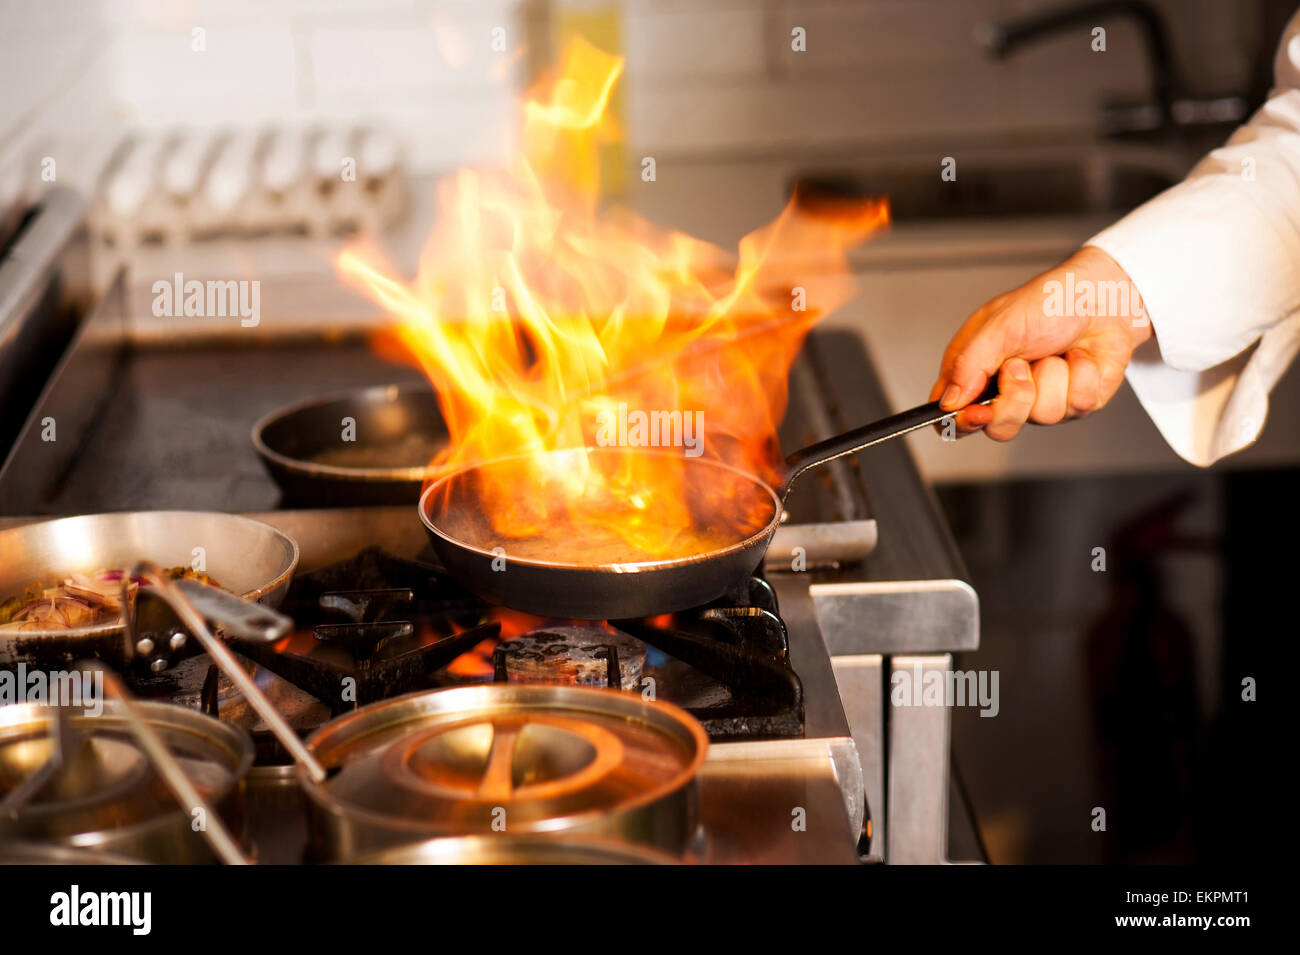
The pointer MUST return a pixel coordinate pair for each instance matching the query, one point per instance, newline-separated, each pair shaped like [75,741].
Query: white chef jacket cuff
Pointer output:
[1213,275]
[1210,294]
[1202,415]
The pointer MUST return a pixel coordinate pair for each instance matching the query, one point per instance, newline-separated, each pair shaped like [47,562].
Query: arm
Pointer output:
[1216,261]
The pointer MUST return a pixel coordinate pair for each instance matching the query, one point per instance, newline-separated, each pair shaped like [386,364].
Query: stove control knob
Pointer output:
[158,665]
[144,646]
[178,639]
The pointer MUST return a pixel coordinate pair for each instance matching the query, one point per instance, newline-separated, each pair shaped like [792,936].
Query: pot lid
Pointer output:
[506,757]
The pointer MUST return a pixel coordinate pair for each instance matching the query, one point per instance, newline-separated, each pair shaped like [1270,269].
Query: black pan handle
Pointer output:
[883,430]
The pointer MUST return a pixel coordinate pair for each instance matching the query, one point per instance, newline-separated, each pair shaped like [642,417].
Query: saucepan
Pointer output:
[559,574]
[75,781]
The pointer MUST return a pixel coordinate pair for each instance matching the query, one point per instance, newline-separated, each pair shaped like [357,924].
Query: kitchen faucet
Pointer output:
[1170,107]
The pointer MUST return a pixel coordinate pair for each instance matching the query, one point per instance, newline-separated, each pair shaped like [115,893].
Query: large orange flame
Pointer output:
[546,323]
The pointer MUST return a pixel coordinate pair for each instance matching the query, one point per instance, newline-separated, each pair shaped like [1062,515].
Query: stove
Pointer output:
[788,673]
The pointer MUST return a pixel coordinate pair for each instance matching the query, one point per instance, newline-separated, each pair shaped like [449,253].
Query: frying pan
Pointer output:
[567,587]
[398,429]
[248,558]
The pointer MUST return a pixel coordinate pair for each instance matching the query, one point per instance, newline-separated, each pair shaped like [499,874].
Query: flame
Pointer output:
[475,662]
[541,319]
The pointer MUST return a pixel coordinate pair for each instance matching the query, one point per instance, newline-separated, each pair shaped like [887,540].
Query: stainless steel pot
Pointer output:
[505,759]
[97,788]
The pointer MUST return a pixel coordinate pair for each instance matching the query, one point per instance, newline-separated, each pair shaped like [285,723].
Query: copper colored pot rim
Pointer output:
[664,815]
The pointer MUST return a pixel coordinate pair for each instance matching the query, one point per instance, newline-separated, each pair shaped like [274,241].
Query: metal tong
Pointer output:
[194,603]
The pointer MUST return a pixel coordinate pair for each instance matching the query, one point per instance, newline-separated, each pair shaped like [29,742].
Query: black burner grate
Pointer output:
[376,626]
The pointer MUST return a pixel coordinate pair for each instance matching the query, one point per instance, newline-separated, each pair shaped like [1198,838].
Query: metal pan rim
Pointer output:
[356,722]
[361,475]
[232,740]
[630,567]
[110,629]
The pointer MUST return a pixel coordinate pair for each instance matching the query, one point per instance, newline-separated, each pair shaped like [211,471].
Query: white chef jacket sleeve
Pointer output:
[1216,260]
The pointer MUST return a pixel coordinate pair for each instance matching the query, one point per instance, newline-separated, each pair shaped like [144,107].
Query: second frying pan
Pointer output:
[371,446]
[555,581]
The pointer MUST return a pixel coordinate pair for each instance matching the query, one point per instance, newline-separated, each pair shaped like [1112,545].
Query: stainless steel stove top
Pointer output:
[146,425]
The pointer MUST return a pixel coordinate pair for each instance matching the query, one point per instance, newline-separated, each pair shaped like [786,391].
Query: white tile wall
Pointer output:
[244,75]
[426,67]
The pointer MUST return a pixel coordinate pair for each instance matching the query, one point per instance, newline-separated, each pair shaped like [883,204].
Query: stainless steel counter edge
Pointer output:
[838,756]
[44,285]
[897,616]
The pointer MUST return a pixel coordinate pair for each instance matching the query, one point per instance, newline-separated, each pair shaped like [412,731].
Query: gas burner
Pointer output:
[370,628]
[367,606]
[743,649]
[347,666]
[197,684]
[577,655]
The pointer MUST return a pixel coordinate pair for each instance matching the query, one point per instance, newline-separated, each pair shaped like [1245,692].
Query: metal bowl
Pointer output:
[246,557]
[397,431]
[514,759]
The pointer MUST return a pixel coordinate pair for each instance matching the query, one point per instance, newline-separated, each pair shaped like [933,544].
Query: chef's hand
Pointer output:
[1050,366]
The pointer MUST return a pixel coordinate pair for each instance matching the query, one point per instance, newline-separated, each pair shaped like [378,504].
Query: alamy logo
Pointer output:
[1086,298]
[74,907]
[211,299]
[929,687]
[651,429]
[70,688]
